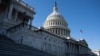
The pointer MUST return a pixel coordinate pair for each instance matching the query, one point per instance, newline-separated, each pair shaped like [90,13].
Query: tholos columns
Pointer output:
[30,23]
[10,11]
[16,14]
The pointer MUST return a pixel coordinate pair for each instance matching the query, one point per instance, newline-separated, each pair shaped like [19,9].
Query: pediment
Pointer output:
[84,42]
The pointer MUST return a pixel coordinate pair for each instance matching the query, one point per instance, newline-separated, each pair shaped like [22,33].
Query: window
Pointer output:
[49,39]
[54,41]
[45,38]
[45,46]
[13,13]
[58,42]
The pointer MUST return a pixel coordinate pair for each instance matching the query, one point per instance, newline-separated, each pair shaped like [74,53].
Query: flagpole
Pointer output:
[81,33]
[80,36]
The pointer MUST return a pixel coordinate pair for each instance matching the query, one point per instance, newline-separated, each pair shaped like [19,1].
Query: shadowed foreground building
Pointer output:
[54,37]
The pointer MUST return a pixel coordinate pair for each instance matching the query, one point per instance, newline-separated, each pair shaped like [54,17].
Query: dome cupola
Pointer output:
[56,24]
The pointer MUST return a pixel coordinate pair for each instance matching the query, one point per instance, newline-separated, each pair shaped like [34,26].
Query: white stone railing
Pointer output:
[33,28]
[25,4]
[21,26]
[15,28]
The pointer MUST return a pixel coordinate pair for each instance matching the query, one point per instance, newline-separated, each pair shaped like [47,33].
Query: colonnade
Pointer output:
[16,15]
[58,31]
[74,49]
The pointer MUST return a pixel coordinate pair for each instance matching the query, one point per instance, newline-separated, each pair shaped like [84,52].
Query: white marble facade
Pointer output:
[54,37]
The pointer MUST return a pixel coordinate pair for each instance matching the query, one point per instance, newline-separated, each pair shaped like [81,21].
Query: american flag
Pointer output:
[81,31]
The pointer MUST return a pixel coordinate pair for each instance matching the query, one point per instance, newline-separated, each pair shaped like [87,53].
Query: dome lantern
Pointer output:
[55,9]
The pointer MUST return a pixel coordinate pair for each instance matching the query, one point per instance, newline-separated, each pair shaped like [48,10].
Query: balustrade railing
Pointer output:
[25,4]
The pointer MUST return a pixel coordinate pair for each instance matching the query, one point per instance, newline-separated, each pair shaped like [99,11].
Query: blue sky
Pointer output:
[80,14]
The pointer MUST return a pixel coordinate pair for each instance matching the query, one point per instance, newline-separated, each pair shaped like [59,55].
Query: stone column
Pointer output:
[16,15]
[69,48]
[79,49]
[66,33]
[60,31]
[51,30]
[54,30]
[31,22]
[6,13]
[63,32]
[57,31]
[10,11]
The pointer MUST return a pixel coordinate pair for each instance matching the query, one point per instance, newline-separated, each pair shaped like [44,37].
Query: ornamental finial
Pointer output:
[55,7]
[55,4]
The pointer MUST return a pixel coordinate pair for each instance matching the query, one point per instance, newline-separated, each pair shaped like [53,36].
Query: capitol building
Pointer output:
[53,37]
